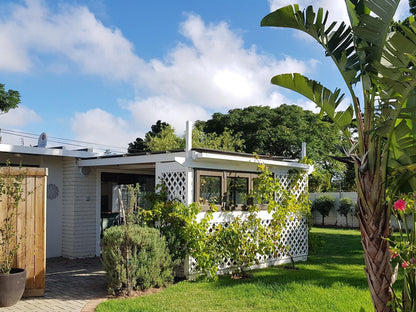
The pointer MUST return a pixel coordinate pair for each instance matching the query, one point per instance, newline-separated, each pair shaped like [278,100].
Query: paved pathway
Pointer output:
[70,286]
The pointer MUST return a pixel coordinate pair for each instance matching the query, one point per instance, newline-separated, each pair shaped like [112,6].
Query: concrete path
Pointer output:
[71,285]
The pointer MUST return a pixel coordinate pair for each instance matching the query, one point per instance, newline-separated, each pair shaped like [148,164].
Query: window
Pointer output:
[227,190]
[210,190]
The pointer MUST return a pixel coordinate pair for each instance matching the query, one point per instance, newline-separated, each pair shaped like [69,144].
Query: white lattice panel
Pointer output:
[294,235]
[286,183]
[176,185]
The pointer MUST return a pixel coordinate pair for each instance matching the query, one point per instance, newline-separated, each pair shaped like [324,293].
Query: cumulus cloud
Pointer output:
[337,9]
[19,117]
[74,33]
[210,70]
[101,127]
[214,72]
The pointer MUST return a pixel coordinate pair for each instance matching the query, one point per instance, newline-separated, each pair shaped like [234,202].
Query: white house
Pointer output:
[83,188]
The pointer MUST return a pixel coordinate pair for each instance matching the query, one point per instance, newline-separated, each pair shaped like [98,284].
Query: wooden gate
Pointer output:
[31,227]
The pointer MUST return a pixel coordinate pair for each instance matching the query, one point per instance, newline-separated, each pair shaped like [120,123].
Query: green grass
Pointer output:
[333,279]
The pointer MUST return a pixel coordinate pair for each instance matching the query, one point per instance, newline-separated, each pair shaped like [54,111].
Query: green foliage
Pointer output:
[323,204]
[242,238]
[162,137]
[165,140]
[12,192]
[403,250]
[135,257]
[331,280]
[226,141]
[280,131]
[380,55]
[345,207]
[8,99]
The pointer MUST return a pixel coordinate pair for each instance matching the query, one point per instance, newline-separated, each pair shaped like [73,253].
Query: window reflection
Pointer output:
[210,190]
[237,190]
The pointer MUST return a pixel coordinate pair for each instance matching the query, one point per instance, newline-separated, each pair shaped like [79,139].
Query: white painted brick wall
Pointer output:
[79,213]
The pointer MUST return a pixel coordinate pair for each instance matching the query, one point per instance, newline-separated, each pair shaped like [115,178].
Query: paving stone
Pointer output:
[70,286]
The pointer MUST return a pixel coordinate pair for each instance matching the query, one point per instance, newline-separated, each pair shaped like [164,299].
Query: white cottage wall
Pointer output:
[79,233]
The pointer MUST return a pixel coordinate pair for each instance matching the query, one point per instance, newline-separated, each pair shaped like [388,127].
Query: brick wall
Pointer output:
[79,232]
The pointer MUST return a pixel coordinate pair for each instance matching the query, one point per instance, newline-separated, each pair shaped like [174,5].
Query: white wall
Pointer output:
[334,218]
[79,231]
[54,206]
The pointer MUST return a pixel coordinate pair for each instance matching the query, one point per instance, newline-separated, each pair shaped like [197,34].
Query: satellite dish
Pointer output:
[43,140]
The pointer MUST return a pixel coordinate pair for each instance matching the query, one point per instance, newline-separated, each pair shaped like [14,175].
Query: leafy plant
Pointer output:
[148,261]
[381,58]
[241,238]
[323,204]
[345,207]
[12,192]
[403,250]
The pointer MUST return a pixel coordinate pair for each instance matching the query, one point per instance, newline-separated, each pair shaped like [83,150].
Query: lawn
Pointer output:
[333,279]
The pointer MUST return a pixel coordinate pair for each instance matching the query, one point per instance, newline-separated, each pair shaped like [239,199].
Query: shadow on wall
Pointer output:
[335,218]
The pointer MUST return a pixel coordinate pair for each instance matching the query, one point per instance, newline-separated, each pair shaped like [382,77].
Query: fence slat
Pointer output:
[40,238]
[31,226]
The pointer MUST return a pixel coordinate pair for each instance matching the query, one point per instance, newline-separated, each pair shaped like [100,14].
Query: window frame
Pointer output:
[224,175]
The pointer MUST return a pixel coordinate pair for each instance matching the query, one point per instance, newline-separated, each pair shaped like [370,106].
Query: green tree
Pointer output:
[8,99]
[280,131]
[162,137]
[165,140]
[412,4]
[381,58]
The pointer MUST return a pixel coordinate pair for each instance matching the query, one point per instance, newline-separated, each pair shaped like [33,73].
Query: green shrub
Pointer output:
[135,257]
[345,207]
[323,204]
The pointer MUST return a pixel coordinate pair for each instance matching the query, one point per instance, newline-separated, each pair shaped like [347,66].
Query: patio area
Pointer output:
[71,285]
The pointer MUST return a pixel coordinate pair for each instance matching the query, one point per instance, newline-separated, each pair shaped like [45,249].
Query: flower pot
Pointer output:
[12,287]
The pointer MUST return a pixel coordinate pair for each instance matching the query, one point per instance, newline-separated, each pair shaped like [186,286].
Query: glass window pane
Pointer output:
[237,191]
[209,190]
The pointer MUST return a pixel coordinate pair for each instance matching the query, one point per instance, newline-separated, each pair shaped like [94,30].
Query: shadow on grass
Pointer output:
[339,260]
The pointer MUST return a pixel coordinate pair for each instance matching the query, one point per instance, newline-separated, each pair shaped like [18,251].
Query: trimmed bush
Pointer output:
[323,204]
[135,257]
[345,207]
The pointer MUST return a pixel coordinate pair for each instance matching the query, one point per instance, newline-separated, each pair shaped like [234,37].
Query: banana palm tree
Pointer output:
[381,58]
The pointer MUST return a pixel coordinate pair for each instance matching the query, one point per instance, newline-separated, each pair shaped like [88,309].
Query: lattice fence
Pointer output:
[294,235]
[286,183]
[175,182]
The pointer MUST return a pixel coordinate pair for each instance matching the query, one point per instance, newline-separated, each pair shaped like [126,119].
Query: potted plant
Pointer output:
[12,280]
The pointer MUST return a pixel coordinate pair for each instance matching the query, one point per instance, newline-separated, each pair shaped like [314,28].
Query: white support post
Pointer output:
[303,153]
[189,171]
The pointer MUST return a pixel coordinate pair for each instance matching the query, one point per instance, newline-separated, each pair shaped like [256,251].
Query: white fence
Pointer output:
[334,218]
[294,235]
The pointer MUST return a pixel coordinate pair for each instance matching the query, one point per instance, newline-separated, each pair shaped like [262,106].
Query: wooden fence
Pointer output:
[31,227]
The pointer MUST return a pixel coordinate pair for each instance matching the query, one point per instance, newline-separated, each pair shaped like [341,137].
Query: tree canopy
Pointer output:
[162,137]
[280,131]
[8,99]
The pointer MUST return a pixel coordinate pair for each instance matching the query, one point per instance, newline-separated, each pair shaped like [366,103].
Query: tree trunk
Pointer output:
[374,225]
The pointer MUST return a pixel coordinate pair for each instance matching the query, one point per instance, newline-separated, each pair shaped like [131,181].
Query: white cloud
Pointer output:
[99,126]
[337,9]
[18,117]
[211,70]
[73,32]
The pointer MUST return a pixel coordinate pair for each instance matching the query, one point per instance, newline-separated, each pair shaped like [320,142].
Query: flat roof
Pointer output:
[47,151]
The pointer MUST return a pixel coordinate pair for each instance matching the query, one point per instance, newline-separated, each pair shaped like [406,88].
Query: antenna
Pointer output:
[43,140]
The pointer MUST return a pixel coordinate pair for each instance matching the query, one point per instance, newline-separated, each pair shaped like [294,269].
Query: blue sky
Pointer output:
[104,71]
